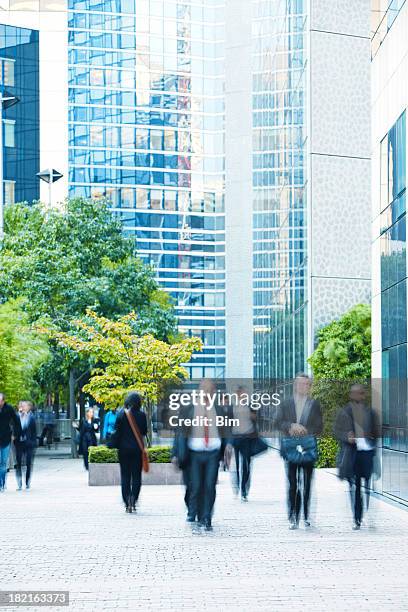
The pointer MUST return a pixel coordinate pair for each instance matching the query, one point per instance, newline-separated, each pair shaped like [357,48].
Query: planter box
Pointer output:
[108,474]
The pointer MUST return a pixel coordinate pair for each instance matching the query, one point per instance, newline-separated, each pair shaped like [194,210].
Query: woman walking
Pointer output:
[87,435]
[25,444]
[130,428]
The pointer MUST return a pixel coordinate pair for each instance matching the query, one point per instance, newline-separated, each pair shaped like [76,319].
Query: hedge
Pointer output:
[328,450]
[103,454]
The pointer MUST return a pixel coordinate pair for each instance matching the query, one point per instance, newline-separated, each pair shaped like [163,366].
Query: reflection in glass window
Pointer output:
[9,192]
[127,197]
[170,200]
[142,200]
[7,72]
[155,199]
[156,139]
[96,135]
[9,133]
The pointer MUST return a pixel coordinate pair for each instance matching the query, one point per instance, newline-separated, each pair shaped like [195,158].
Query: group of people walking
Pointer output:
[18,428]
[203,442]
[299,421]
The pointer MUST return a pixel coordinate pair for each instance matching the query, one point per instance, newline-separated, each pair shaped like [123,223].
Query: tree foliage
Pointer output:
[342,357]
[65,261]
[61,262]
[22,352]
[124,360]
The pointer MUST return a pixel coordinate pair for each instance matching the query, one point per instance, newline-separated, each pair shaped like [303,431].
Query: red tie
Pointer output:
[206,433]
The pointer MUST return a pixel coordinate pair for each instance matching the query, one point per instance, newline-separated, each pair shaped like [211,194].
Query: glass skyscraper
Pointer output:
[279,187]
[146,118]
[19,78]
[389,182]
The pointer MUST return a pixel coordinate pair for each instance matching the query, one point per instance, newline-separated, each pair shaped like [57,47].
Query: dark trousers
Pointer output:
[203,480]
[187,484]
[300,481]
[26,453]
[131,475]
[85,449]
[363,468]
[243,465]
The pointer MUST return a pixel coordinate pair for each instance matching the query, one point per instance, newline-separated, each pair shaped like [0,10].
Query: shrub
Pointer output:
[103,454]
[328,449]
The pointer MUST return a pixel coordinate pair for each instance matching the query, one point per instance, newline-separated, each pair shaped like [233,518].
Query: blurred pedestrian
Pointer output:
[87,435]
[128,438]
[25,444]
[9,424]
[357,428]
[243,435]
[206,443]
[299,421]
[109,424]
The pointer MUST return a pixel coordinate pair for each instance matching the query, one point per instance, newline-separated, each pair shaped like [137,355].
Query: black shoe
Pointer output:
[208,526]
[129,509]
[190,519]
[357,525]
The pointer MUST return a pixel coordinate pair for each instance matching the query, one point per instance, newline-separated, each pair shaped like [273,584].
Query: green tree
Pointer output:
[63,261]
[342,357]
[123,360]
[22,352]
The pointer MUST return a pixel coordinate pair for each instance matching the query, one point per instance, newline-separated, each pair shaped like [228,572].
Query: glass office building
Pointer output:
[146,117]
[394,309]
[389,182]
[19,81]
[279,188]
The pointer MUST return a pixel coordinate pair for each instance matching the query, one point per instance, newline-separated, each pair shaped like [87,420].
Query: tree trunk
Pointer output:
[72,412]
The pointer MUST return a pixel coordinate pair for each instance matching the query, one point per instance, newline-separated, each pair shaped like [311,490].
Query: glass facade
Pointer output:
[394,309]
[384,13]
[279,188]
[19,78]
[146,119]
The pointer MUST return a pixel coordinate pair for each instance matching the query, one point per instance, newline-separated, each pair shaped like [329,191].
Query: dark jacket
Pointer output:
[8,420]
[311,417]
[28,435]
[180,448]
[123,437]
[87,434]
[344,424]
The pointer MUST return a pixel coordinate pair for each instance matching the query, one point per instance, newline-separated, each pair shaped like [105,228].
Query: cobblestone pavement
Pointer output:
[66,535]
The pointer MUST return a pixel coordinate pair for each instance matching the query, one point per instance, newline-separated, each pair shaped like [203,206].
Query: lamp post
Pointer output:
[50,176]
[6,100]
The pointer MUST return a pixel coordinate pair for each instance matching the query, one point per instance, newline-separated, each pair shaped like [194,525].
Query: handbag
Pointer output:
[139,440]
[257,446]
[299,451]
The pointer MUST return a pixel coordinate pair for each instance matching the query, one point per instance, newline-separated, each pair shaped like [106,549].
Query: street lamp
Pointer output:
[6,100]
[50,176]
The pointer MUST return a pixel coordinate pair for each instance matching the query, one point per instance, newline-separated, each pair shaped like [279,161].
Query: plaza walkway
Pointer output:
[65,535]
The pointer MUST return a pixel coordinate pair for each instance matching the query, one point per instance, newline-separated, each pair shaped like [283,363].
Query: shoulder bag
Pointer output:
[139,440]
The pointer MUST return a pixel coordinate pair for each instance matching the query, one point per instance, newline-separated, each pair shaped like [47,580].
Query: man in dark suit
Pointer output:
[299,416]
[206,444]
[357,428]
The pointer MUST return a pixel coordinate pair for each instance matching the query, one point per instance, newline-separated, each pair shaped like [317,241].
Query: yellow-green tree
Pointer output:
[125,361]
[22,352]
